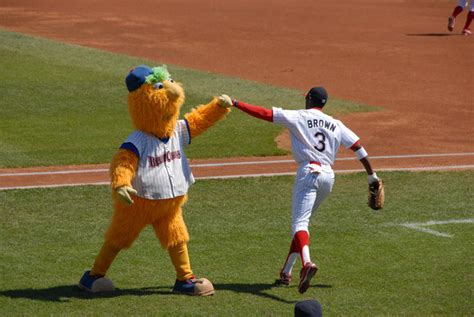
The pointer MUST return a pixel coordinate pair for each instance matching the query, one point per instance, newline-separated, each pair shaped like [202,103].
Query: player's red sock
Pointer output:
[301,239]
[291,258]
[469,18]
[457,10]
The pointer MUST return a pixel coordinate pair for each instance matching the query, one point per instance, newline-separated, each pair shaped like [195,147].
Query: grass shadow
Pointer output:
[65,292]
[259,290]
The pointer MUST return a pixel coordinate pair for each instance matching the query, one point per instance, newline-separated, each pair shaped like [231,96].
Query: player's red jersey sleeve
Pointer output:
[255,111]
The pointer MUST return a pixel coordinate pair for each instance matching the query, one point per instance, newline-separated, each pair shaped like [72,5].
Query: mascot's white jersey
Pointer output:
[315,136]
[163,170]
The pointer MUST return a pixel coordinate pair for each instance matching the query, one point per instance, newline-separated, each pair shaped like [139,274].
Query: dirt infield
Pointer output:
[395,54]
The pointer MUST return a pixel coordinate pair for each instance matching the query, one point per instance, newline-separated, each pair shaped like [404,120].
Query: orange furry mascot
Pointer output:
[150,176]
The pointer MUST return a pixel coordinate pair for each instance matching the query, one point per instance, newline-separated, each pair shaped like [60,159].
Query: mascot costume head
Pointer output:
[150,176]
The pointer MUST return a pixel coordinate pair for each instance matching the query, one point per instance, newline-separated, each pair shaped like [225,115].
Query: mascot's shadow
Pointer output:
[65,292]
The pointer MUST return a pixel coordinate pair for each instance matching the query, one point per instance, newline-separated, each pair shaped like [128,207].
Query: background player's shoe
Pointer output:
[451,21]
[193,286]
[307,272]
[285,279]
[466,32]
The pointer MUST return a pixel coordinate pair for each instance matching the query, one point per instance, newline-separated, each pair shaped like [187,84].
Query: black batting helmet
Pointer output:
[316,97]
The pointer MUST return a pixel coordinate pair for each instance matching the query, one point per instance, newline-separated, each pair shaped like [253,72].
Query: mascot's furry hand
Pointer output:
[124,192]
[224,101]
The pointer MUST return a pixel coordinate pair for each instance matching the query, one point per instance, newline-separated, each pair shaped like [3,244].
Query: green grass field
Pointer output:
[369,264]
[63,104]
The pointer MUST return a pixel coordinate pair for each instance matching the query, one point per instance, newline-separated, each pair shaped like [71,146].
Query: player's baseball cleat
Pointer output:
[193,286]
[95,284]
[285,279]
[466,32]
[451,21]
[307,272]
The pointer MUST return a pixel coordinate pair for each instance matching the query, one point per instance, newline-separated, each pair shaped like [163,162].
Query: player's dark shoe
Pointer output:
[307,272]
[285,279]
[466,32]
[451,21]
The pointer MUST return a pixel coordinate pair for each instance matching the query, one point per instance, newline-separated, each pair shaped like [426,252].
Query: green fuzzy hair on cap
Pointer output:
[160,74]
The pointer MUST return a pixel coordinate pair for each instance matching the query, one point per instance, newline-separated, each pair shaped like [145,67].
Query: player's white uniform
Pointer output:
[315,140]
[163,170]
[464,3]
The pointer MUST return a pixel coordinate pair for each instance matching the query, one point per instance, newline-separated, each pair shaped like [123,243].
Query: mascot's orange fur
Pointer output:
[150,176]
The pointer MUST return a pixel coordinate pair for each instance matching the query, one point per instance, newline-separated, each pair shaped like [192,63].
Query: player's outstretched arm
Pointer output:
[363,157]
[254,111]
[203,117]
[376,198]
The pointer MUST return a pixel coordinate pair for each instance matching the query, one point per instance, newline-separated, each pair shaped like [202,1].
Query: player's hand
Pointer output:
[224,101]
[372,178]
[124,192]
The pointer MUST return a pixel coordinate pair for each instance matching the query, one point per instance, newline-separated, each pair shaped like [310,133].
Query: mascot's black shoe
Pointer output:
[193,286]
[95,284]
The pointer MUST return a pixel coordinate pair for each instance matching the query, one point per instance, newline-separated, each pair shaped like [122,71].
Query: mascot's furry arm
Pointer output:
[123,168]
[203,117]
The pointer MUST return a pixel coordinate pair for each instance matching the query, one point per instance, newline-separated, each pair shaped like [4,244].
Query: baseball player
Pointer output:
[457,10]
[315,140]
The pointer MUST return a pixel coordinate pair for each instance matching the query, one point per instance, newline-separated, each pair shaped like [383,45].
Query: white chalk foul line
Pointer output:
[337,159]
[55,185]
[412,169]
[421,226]
[102,170]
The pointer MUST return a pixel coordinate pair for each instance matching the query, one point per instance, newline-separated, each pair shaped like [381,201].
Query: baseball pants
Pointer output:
[309,192]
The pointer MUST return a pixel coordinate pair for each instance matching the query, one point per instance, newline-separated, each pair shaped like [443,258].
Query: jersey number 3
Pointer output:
[321,145]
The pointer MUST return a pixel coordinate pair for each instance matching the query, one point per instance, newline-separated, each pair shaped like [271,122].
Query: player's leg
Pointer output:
[304,195]
[323,185]
[469,18]
[285,272]
[458,9]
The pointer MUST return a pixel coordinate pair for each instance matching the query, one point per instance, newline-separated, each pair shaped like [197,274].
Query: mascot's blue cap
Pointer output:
[137,77]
